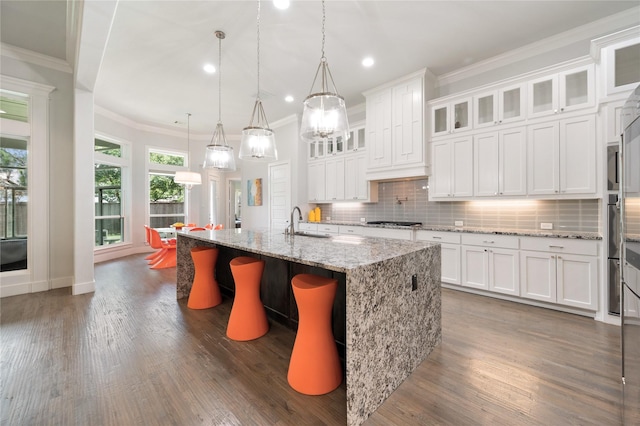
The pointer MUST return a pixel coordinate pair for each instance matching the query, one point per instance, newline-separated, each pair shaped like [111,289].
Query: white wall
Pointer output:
[60,180]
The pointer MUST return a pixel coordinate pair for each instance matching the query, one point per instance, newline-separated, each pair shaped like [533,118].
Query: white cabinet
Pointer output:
[316,150]
[449,253]
[378,129]
[398,234]
[334,146]
[560,271]
[316,181]
[561,157]
[356,186]
[334,178]
[561,92]
[451,117]
[350,230]
[357,139]
[501,106]
[452,168]
[490,262]
[621,63]
[500,163]
[327,229]
[395,130]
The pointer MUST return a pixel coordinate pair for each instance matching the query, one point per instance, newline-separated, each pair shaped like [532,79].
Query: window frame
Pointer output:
[164,169]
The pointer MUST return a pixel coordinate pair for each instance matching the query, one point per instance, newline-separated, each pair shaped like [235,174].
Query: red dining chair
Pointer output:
[209,226]
[197,229]
[217,227]
[167,256]
[152,256]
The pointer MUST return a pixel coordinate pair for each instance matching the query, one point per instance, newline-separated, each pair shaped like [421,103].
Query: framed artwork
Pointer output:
[254,192]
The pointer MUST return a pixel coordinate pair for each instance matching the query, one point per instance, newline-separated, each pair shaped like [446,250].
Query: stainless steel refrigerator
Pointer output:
[630,257]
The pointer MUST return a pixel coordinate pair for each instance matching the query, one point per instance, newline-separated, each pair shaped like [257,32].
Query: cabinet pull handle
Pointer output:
[489,242]
[559,257]
[550,246]
[437,238]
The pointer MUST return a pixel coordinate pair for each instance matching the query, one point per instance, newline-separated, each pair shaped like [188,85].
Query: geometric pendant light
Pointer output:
[324,114]
[188,178]
[258,140]
[219,155]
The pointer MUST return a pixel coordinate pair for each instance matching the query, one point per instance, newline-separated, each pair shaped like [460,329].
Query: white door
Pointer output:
[450,263]
[538,276]
[441,169]
[542,158]
[462,167]
[578,155]
[234,212]
[486,156]
[474,267]
[279,195]
[513,161]
[577,278]
[504,273]
[215,213]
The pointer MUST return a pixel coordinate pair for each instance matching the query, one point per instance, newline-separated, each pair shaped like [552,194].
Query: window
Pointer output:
[109,212]
[166,198]
[13,203]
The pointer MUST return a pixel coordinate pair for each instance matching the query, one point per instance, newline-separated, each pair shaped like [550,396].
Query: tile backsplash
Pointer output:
[408,201]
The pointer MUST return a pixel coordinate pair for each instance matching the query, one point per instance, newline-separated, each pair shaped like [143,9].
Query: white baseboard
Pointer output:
[37,286]
[103,255]
[83,288]
[14,289]
[61,282]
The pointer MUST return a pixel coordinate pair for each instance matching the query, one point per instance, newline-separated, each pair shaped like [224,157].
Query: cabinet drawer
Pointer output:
[438,237]
[308,226]
[398,234]
[560,245]
[490,240]
[350,230]
[328,229]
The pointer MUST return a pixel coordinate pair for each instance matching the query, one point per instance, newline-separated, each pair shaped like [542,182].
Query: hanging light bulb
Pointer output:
[324,114]
[187,178]
[258,141]
[219,155]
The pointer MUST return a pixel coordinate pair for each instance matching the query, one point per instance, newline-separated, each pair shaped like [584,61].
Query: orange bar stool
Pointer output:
[205,292]
[248,319]
[314,368]
[167,254]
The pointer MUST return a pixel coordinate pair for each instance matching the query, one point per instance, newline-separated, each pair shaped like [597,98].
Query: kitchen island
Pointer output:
[387,314]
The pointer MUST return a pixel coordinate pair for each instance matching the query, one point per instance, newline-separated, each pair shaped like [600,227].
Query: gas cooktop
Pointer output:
[393,223]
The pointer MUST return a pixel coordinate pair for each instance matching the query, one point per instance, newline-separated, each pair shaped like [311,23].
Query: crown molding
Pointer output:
[25,87]
[284,121]
[581,33]
[600,43]
[24,55]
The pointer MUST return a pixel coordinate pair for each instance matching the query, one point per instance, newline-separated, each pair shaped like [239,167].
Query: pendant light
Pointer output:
[258,141]
[324,114]
[187,178]
[219,155]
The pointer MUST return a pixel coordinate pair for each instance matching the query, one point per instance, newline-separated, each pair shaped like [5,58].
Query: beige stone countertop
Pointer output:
[579,235]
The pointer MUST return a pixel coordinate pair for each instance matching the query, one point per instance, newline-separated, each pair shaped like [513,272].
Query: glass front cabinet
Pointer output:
[499,106]
[562,92]
[356,140]
[451,117]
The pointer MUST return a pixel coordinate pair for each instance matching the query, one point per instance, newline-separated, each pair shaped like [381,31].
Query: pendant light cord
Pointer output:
[219,77]
[258,30]
[188,132]
[323,19]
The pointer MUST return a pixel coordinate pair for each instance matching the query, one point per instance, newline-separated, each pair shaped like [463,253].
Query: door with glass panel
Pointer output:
[13,203]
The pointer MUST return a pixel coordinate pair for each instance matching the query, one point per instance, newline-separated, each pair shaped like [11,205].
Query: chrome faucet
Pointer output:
[291,227]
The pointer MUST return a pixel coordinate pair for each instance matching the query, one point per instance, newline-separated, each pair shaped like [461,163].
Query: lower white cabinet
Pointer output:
[490,262]
[398,234]
[449,253]
[560,271]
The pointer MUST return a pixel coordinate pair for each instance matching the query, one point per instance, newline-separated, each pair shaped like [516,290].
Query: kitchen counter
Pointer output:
[479,230]
[385,283]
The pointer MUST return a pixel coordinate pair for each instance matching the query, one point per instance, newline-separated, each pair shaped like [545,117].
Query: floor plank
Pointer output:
[131,354]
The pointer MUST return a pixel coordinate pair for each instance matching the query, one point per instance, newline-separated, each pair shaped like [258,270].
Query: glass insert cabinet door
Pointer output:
[451,117]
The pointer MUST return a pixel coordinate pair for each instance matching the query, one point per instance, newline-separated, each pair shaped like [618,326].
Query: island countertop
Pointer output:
[390,307]
[337,253]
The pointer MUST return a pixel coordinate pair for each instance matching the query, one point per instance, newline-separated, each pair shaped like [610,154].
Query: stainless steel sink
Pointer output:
[311,234]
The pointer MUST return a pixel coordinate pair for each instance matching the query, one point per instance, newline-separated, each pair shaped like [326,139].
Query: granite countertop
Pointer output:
[476,230]
[339,253]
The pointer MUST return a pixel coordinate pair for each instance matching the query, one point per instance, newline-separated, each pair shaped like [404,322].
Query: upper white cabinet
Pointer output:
[316,181]
[334,178]
[561,92]
[316,150]
[621,62]
[452,171]
[500,106]
[395,130]
[451,117]
[356,186]
[357,139]
[500,163]
[561,157]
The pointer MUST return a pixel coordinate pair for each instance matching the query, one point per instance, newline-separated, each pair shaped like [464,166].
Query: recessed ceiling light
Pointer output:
[288,98]
[281,4]
[209,68]
[367,62]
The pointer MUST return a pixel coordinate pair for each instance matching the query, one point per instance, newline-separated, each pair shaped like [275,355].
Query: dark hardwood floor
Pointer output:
[130,354]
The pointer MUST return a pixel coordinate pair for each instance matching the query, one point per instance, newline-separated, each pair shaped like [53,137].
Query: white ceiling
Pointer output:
[152,68]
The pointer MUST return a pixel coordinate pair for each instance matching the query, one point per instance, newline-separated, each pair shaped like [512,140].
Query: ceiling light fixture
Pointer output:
[324,114]
[367,62]
[288,98]
[219,155]
[187,178]
[258,141]
[209,68]
[281,4]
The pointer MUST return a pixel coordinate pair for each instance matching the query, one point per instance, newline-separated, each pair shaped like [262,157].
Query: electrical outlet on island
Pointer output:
[545,225]
[458,223]
[363,220]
